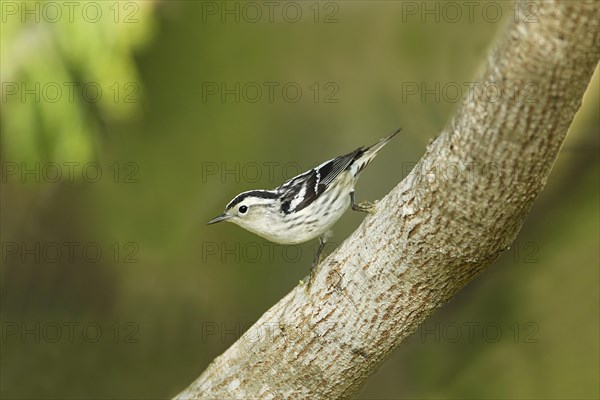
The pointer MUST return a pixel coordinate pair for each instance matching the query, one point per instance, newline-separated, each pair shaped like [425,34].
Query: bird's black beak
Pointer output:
[219,218]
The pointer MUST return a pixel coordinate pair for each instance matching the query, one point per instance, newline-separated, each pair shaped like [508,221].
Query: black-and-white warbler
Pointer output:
[305,206]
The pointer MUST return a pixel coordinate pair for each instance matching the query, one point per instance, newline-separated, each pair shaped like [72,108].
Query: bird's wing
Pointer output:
[300,191]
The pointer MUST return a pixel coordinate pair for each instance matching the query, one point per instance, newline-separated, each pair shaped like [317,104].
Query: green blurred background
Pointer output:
[125,101]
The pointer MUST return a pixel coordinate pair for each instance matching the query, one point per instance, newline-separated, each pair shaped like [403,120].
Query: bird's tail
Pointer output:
[366,155]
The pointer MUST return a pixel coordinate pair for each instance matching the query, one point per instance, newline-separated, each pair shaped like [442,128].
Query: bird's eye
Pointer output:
[243,209]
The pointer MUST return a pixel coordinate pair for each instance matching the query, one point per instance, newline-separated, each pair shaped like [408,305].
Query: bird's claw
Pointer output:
[365,206]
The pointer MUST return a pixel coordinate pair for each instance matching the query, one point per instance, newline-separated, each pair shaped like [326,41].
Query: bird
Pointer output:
[306,206]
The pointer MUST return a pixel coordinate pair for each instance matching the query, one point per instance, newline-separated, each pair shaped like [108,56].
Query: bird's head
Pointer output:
[250,210]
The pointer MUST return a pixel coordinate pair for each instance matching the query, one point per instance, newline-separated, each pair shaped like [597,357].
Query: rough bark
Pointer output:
[441,226]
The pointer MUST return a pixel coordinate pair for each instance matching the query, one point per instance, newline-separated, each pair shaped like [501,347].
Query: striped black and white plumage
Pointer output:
[306,206]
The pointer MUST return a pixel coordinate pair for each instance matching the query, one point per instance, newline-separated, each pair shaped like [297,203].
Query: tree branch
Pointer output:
[441,226]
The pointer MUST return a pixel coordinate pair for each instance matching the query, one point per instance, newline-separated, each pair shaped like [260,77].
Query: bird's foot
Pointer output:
[365,206]
[311,275]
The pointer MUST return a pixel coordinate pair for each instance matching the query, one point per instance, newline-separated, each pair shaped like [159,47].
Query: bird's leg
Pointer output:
[363,206]
[322,241]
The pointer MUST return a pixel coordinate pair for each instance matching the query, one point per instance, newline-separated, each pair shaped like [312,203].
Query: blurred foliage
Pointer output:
[67,68]
[169,311]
